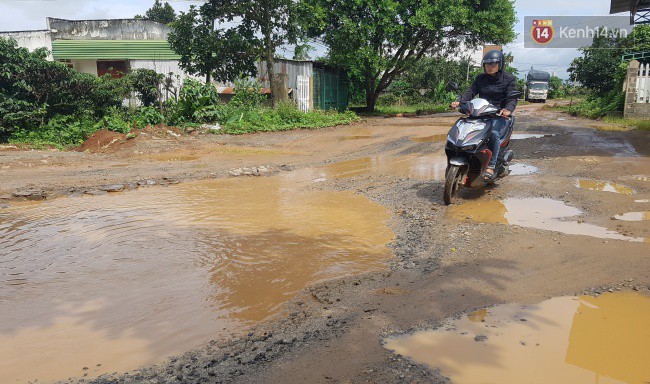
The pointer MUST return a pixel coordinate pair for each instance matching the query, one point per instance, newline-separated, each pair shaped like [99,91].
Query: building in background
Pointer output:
[118,46]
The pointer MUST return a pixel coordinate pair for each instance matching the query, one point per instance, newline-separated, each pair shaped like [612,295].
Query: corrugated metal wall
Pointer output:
[291,68]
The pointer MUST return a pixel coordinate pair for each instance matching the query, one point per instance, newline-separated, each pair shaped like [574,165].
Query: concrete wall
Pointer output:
[31,40]
[117,29]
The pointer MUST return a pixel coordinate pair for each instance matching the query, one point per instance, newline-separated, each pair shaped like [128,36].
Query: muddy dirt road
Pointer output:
[387,257]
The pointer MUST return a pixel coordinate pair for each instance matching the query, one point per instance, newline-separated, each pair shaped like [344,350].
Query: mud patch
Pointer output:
[537,213]
[562,340]
[439,138]
[105,141]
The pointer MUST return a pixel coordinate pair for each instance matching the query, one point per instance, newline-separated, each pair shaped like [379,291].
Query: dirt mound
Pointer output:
[105,141]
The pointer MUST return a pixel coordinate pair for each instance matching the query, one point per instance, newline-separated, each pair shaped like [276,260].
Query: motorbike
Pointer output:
[467,149]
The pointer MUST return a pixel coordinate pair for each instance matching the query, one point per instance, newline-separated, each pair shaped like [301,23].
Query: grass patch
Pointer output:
[411,109]
[640,124]
[284,118]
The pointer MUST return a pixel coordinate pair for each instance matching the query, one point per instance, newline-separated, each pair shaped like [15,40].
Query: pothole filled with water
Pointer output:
[521,169]
[523,136]
[416,167]
[604,186]
[633,216]
[561,340]
[129,279]
[538,213]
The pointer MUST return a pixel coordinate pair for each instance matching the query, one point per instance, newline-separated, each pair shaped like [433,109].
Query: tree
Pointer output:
[158,12]
[596,69]
[380,39]
[556,88]
[276,21]
[220,53]
[599,67]
[301,52]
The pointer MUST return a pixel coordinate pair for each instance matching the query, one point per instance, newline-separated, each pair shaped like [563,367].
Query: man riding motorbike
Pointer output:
[493,85]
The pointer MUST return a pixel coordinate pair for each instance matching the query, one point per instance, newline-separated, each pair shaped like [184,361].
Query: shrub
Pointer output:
[34,90]
[146,83]
[247,94]
[60,131]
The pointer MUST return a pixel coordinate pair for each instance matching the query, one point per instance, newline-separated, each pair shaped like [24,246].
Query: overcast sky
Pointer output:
[18,15]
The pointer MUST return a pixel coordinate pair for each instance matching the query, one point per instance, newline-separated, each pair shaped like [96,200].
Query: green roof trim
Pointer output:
[113,49]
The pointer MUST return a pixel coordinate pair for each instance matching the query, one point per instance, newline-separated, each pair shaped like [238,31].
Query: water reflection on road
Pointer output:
[113,282]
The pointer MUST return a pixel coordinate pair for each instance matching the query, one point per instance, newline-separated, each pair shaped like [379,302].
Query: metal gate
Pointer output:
[643,84]
[303,93]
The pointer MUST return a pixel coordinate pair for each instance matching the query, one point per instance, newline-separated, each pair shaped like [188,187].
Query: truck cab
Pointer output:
[537,91]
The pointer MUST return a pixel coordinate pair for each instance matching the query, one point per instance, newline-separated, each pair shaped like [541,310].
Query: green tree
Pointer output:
[599,67]
[214,52]
[596,68]
[378,40]
[301,52]
[158,12]
[276,21]
[556,88]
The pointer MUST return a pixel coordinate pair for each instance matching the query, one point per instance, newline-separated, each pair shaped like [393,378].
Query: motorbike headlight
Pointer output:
[469,147]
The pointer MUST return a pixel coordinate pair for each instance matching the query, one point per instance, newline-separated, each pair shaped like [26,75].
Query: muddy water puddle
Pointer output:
[561,340]
[537,213]
[604,186]
[129,279]
[524,136]
[633,216]
[417,167]
[522,169]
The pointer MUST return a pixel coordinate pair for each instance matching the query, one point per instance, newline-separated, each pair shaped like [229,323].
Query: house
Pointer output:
[117,46]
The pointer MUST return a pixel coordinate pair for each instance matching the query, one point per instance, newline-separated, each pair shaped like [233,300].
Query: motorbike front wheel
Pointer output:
[452,183]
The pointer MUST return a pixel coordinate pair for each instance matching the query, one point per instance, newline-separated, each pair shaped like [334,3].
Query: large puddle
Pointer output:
[416,167]
[113,282]
[562,340]
[538,213]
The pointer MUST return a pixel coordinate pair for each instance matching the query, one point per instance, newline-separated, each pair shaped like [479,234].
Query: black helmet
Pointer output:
[494,56]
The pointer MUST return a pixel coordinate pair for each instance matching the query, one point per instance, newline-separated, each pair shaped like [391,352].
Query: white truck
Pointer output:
[537,84]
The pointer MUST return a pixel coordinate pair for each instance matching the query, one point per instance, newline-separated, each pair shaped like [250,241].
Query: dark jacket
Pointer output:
[493,89]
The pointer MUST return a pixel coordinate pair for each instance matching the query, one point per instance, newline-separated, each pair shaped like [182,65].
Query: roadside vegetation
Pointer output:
[397,62]
[46,103]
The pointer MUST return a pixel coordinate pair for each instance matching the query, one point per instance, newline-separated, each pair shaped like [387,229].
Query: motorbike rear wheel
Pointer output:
[452,183]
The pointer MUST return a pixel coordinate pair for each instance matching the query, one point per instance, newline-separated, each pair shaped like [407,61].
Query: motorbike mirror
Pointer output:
[514,94]
[452,87]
